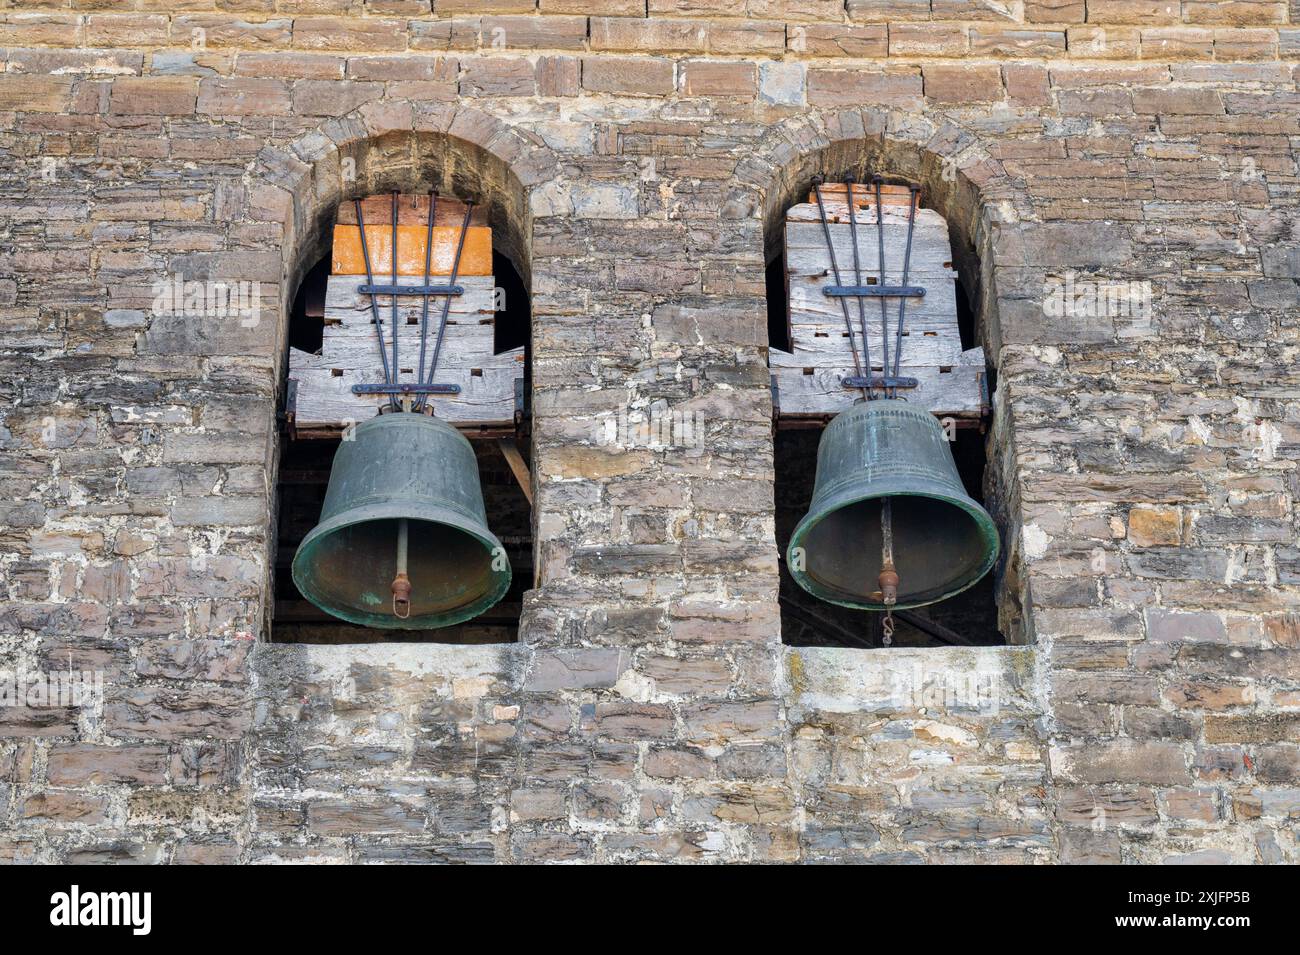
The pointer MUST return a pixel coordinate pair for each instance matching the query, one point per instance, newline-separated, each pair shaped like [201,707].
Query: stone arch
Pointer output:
[975,194]
[464,151]
[960,179]
[461,151]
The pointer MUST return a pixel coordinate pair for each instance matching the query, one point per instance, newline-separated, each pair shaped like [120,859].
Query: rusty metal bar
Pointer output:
[374,306]
[446,302]
[835,270]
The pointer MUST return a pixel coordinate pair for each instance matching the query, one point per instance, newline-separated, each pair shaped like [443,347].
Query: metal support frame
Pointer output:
[844,636]
[889,383]
[874,291]
[406,388]
[425,290]
[424,385]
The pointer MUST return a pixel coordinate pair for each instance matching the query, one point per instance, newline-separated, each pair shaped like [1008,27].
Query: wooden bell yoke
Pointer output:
[872,282]
[409,314]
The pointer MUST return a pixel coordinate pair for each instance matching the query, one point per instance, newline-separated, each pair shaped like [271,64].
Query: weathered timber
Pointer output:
[809,377]
[349,355]
[948,391]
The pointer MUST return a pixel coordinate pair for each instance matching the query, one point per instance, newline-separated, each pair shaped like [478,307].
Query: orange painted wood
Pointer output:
[864,194]
[348,260]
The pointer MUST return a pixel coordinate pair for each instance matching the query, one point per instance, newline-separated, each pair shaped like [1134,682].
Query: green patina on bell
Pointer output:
[943,540]
[403,541]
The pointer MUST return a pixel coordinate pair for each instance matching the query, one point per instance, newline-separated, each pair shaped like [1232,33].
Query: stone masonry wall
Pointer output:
[633,150]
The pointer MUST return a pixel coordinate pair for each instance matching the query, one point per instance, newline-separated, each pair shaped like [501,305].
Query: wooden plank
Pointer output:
[510,451]
[809,376]
[412,209]
[810,334]
[954,393]
[863,192]
[347,306]
[837,213]
[356,347]
[809,305]
[837,210]
[832,349]
[805,251]
[325,400]
[412,240]
[349,355]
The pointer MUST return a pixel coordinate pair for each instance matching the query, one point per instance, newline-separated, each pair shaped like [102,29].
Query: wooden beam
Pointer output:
[518,465]
[826,627]
[815,388]
[933,628]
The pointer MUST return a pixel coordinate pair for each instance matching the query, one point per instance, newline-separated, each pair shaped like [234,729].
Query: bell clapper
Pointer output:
[402,583]
[888,578]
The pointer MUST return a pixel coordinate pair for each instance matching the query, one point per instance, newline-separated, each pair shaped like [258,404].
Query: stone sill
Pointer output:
[451,661]
[971,681]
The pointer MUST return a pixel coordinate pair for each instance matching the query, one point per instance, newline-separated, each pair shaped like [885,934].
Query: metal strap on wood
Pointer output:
[423,386]
[889,381]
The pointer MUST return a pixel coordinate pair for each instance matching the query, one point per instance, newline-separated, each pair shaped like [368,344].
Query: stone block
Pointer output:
[1153,762]
[627,75]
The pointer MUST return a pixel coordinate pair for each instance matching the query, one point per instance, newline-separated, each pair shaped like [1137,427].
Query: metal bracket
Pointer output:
[874,291]
[291,408]
[411,289]
[406,389]
[879,381]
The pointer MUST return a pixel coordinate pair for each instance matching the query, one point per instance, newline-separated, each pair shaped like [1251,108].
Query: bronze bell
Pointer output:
[888,456]
[403,541]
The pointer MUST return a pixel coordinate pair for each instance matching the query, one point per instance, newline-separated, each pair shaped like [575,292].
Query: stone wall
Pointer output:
[632,152]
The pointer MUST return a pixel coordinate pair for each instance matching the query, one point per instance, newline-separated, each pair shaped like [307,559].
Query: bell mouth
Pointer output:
[346,566]
[942,546]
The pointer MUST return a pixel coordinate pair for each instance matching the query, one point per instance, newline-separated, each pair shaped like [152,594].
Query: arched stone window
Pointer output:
[411,164]
[989,612]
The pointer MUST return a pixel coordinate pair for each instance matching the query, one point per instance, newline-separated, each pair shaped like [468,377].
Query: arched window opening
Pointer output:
[482,366]
[806,337]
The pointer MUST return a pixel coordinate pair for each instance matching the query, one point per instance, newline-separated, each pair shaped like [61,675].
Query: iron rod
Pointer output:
[397,369]
[873,291]
[411,290]
[403,533]
[877,381]
[880,242]
[405,388]
[886,532]
[424,308]
[888,574]
[446,302]
[844,306]
[913,195]
[401,582]
[374,307]
[857,275]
